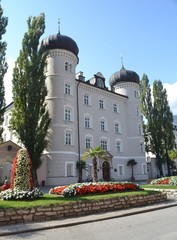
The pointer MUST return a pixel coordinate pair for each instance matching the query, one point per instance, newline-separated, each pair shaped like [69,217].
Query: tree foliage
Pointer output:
[3,67]
[30,117]
[158,121]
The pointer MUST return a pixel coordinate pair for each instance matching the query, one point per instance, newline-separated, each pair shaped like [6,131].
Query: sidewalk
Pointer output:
[38,226]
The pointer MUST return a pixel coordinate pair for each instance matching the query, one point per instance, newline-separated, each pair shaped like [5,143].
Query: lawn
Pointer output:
[159,186]
[52,199]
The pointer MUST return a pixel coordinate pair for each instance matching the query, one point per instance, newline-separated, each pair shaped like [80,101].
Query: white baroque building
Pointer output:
[86,113]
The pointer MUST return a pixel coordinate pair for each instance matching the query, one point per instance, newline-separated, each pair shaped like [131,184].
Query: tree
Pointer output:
[158,121]
[173,154]
[80,166]
[30,117]
[3,67]
[95,153]
[132,163]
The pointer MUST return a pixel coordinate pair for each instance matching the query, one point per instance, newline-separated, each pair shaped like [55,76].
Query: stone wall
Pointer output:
[171,193]
[76,209]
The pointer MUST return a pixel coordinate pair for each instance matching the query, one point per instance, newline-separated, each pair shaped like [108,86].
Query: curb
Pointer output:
[68,222]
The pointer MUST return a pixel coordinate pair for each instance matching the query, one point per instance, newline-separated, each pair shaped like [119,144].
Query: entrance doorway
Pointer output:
[106,171]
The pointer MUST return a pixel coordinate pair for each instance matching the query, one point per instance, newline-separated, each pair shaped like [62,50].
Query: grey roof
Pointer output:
[58,41]
[123,76]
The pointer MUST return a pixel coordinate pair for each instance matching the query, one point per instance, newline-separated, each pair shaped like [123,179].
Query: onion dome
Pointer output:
[59,41]
[123,76]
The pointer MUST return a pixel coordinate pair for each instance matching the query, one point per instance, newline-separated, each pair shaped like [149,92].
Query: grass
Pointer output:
[159,186]
[51,199]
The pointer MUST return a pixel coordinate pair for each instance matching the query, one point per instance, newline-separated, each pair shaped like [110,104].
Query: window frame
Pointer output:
[122,172]
[68,138]
[72,169]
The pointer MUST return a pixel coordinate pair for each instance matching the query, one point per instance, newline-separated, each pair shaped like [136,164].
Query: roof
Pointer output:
[123,76]
[59,41]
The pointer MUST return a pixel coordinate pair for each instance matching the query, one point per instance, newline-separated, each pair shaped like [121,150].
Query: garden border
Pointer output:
[77,209]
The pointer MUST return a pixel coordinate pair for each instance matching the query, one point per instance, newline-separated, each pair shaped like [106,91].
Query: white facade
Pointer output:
[87,114]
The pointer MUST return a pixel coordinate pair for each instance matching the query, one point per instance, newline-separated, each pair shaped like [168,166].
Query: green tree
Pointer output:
[173,154]
[158,121]
[30,117]
[3,67]
[95,153]
[132,163]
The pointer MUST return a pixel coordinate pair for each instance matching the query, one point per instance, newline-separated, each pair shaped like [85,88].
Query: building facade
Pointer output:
[87,113]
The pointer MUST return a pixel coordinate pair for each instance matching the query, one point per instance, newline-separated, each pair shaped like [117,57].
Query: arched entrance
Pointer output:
[106,171]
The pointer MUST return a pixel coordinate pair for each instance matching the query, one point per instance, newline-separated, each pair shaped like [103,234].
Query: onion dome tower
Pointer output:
[62,59]
[126,82]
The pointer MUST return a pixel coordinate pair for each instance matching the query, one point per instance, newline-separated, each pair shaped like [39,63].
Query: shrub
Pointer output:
[165,181]
[13,194]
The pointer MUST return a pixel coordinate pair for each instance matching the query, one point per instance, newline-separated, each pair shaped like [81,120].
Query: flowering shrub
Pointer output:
[89,188]
[69,192]
[22,185]
[165,181]
[13,194]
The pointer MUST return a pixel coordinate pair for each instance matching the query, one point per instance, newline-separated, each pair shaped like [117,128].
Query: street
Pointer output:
[155,225]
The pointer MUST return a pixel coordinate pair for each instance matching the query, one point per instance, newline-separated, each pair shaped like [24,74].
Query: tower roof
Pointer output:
[123,76]
[58,41]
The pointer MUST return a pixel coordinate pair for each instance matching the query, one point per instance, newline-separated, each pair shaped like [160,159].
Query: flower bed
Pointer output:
[165,181]
[90,188]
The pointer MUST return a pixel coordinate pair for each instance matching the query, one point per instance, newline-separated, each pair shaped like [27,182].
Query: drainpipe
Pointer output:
[78,129]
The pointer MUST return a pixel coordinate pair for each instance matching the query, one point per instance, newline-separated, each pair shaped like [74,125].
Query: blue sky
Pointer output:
[143,31]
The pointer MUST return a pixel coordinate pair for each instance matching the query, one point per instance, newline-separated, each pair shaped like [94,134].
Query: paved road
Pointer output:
[156,225]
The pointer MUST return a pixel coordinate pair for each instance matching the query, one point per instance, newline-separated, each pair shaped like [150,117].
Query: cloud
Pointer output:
[172,96]
[8,81]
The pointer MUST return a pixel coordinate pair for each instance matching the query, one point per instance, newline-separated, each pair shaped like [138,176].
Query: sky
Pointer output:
[143,32]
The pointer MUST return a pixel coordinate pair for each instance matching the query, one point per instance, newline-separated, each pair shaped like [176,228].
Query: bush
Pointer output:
[13,194]
[165,181]
[69,192]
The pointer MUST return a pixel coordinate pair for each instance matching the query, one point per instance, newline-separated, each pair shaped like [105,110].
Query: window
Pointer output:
[69,169]
[87,122]
[68,138]
[70,67]
[115,108]
[104,144]
[86,99]
[141,147]
[137,111]
[117,127]
[67,114]
[101,104]
[102,125]
[118,146]
[87,142]
[66,66]
[120,170]
[139,129]
[67,89]
[144,168]
[89,171]
[136,94]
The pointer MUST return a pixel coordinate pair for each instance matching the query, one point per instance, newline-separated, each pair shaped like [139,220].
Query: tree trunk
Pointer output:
[168,164]
[95,177]
[35,178]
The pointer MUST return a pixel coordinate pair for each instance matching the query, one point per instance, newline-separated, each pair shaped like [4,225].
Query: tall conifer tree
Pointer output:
[3,67]
[158,121]
[30,117]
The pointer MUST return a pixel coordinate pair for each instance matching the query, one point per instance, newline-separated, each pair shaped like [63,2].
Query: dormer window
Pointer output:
[100,83]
